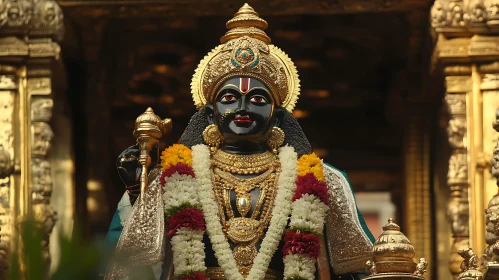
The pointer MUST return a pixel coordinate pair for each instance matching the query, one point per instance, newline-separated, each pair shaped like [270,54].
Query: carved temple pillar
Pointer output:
[418,213]
[457,87]
[29,30]
[468,52]
[490,258]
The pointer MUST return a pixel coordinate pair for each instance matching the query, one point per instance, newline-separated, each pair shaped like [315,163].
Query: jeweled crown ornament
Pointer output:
[246,51]
[393,256]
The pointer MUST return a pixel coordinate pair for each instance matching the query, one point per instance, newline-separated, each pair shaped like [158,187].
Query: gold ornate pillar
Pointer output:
[8,165]
[458,85]
[39,91]
[418,223]
[490,257]
[468,51]
[29,30]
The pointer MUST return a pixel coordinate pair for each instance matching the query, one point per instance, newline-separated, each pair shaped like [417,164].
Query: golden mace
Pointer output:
[149,128]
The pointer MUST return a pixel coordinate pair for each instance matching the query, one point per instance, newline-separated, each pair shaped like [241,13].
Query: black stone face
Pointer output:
[244,112]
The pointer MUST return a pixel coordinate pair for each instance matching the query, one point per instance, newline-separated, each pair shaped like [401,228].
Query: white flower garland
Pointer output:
[179,189]
[280,214]
[188,251]
[298,265]
[187,244]
[309,212]
[307,215]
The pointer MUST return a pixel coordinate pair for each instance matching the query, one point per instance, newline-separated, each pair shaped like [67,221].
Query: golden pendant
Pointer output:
[244,254]
[243,203]
[242,229]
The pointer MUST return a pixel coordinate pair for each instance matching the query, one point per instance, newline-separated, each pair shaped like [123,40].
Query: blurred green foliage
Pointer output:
[79,260]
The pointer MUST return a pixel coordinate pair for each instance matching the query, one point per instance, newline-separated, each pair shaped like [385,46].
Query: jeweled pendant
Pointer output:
[245,254]
[243,205]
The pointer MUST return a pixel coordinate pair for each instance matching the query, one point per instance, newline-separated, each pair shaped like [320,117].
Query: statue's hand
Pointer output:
[129,168]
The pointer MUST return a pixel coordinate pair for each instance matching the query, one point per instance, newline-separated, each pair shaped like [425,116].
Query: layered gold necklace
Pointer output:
[243,227]
[244,164]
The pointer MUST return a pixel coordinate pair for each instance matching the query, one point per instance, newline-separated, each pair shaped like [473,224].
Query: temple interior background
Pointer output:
[362,71]
[358,71]
[400,94]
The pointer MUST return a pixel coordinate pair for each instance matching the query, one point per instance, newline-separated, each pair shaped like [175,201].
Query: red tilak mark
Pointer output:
[244,84]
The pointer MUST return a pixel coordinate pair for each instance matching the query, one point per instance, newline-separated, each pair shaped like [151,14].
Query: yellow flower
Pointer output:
[177,153]
[311,164]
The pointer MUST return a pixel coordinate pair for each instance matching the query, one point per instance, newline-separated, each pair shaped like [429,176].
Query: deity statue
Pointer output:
[242,195]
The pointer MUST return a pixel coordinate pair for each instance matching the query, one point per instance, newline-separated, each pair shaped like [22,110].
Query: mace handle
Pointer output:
[149,128]
[145,161]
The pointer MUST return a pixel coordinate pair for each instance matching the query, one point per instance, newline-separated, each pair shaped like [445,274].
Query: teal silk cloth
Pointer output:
[115,229]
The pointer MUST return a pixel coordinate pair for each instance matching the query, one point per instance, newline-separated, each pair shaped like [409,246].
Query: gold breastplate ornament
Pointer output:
[244,164]
[245,220]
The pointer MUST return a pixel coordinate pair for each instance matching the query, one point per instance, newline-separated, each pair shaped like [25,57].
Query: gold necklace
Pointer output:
[243,231]
[244,164]
[243,187]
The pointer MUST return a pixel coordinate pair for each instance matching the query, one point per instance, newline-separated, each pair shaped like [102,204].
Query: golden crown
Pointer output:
[246,51]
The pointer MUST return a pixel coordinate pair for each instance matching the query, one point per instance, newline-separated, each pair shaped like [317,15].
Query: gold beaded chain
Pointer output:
[245,232]
[244,164]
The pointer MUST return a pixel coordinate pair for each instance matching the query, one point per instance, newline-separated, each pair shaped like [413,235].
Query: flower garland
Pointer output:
[309,208]
[280,213]
[177,153]
[191,209]
[185,221]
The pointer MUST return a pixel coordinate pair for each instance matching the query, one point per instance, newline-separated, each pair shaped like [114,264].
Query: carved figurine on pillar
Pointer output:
[44,214]
[490,259]
[491,254]
[457,177]
[489,262]
[469,266]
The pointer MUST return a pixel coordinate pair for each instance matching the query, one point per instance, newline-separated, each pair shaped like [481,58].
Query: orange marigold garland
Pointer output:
[311,164]
[177,153]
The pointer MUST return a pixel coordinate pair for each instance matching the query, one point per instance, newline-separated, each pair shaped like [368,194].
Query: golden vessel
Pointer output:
[393,256]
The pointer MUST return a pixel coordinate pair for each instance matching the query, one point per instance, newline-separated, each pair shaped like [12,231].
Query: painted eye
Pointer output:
[258,99]
[228,98]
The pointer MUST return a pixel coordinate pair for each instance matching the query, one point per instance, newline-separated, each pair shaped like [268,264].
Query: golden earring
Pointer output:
[212,136]
[276,138]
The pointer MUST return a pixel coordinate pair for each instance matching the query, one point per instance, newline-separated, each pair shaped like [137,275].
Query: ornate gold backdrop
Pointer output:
[361,82]
[30,32]
[467,52]
[369,81]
